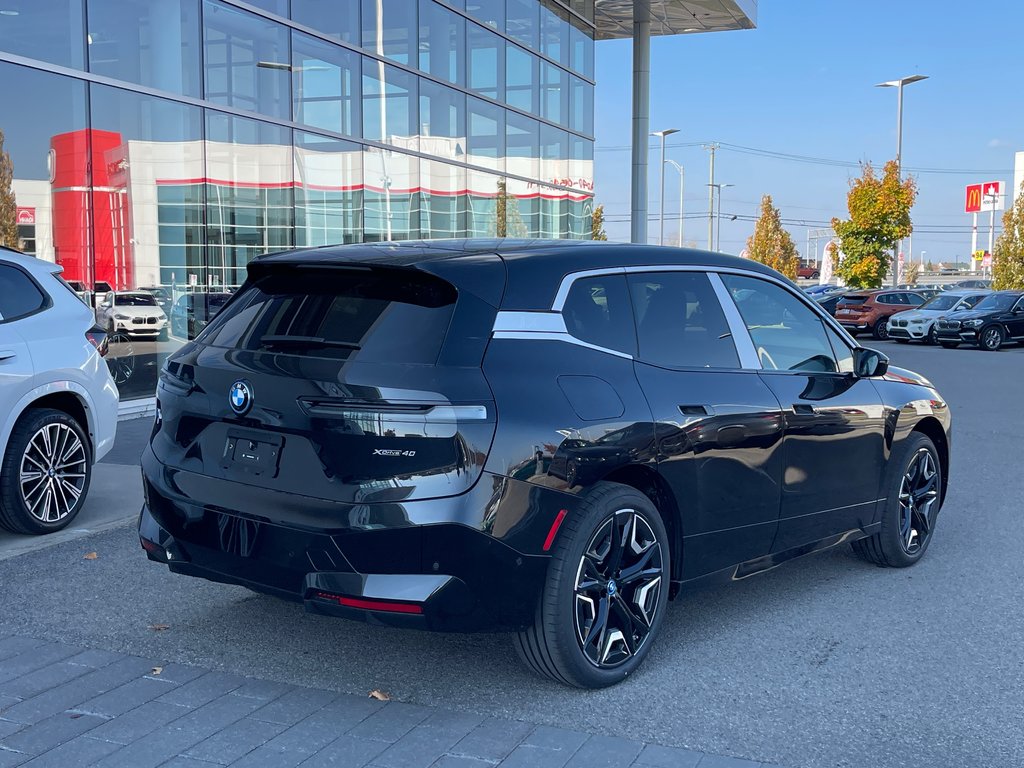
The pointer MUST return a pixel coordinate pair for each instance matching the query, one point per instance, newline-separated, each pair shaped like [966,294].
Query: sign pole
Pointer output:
[974,242]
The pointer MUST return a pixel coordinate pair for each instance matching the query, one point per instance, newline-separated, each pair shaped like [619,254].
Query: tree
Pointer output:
[911,272]
[771,244]
[597,224]
[8,206]
[509,221]
[879,218]
[1008,253]
[501,209]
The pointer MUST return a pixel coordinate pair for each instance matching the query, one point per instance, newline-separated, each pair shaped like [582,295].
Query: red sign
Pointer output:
[972,202]
[26,215]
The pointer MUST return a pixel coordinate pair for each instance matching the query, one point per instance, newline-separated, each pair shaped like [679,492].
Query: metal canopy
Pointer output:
[614,18]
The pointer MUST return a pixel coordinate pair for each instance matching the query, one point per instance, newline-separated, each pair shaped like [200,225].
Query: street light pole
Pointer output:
[711,195]
[717,219]
[898,85]
[991,224]
[661,199]
[682,185]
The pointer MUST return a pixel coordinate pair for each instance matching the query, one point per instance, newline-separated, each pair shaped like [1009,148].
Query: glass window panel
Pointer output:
[554,210]
[581,50]
[486,62]
[328,191]
[442,121]
[443,200]
[581,163]
[597,311]
[522,209]
[486,140]
[581,103]
[249,173]
[391,195]
[149,42]
[389,105]
[336,18]
[554,156]
[247,63]
[389,29]
[326,81]
[280,7]
[554,101]
[19,294]
[521,78]
[581,217]
[554,32]
[522,142]
[442,43]
[490,12]
[522,21]
[486,199]
[51,30]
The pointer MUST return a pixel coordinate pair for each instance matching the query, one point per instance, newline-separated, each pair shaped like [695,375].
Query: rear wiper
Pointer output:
[272,340]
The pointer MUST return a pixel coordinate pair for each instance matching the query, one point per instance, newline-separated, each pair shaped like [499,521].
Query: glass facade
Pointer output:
[163,144]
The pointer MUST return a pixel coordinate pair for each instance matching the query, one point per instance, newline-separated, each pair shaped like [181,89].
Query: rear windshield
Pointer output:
[134,300]
[853,299]
[393,316]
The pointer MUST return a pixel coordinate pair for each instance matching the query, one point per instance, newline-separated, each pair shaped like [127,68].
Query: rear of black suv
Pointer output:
[324,440]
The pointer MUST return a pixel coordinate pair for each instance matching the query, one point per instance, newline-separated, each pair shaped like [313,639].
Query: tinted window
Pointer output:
[19,295]
[379,316]
[597,311]
[134,300]
[996,302]
[680,323]
[787,334]
[842,351]
[914,299]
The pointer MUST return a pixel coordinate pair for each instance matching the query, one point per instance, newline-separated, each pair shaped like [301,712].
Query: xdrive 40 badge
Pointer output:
[240,397]
[392,452]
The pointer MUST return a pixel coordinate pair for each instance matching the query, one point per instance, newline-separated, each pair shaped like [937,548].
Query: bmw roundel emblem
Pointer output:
[240,397]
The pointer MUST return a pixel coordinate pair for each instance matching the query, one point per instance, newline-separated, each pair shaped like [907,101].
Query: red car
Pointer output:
[870,310]
[808,272]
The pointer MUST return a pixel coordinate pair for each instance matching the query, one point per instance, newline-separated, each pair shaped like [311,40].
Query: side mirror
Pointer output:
[869,362]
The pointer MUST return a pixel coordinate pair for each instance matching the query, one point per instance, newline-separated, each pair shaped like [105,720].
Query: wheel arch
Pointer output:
[932,429]
[66,397]
[651,484]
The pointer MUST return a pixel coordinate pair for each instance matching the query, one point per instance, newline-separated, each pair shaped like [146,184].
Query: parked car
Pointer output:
[919,324]
[968,284]
[162,296]
[443,436]
[816,290]
[134,313]
[58,404]
[869,311]
[193,312]
[994,321]
[829,301]
[809,272]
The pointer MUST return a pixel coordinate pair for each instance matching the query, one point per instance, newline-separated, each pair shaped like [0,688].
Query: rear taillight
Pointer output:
[98,338]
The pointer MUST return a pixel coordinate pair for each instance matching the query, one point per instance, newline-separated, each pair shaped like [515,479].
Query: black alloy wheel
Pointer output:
[933,335]
[914,483]
[881,329]
[991,338]
[606,593]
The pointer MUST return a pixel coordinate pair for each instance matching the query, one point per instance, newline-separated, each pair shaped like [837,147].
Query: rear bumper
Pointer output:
[854,325]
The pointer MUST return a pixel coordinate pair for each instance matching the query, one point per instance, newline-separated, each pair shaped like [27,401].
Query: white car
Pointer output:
[919,324]
[134,313]
[58,403]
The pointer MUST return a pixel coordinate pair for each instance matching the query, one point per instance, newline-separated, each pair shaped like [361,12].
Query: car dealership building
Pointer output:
[168,142]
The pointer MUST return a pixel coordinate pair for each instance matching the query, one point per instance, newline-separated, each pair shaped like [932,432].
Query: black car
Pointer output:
[552,438]
[829,302]
[192,312]
[995,320]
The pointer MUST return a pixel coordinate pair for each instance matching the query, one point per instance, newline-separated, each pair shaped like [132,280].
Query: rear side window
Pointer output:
[19,294]
[385,316]
[680,323]
[597,311]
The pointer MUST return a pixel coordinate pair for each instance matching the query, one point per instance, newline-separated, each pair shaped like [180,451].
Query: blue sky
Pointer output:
[802,83]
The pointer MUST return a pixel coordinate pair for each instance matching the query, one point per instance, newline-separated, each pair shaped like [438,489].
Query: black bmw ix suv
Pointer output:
[548,438]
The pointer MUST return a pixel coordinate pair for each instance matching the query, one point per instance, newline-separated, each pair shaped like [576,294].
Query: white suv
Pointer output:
[135,313]
[58,404]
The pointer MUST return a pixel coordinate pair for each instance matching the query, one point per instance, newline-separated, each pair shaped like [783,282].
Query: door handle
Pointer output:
[7,354]
[696,410]
[804,408]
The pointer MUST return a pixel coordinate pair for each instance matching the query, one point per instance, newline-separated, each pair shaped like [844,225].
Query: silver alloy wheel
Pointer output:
[919,495]
[618,583]
[53,472]
[991,338]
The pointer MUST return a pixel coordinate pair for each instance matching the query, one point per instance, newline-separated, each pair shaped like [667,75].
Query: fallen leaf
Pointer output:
[379,695]
[159,627]
[156,670]
[90,556]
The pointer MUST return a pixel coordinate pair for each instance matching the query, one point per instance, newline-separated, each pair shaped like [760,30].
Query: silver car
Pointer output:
[919,324]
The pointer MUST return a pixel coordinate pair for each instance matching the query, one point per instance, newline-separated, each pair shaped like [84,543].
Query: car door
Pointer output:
[834,450]
[19,298]
[1015,320]
[718,426]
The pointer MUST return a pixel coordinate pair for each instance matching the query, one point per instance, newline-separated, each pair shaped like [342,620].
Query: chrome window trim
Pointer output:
[563,337]
[740,335]
[566,285]
[538,322]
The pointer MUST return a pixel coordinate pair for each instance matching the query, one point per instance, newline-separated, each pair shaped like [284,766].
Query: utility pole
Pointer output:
[682,185]
[711,195]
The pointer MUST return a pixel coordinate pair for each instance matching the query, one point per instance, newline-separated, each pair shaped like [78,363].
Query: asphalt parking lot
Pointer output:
[824,662]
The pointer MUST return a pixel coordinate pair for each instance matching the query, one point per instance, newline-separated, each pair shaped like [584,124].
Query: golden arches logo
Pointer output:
[973,202]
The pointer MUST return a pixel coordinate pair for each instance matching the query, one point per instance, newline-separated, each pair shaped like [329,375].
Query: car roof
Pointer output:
[29,263]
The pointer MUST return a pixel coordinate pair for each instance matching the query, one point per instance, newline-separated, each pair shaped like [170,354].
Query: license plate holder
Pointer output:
[252,453]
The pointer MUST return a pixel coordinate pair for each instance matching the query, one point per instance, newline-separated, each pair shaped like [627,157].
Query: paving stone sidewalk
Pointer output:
[64,706]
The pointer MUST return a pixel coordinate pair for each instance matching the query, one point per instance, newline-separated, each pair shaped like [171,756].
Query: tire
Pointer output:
[815,275]
[990,339]
[933,336]
[554,645]
[41,505]
[949,344]
[900,542]
[881,330]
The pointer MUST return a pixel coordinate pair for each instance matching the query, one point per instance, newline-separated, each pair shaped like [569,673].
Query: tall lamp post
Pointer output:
[898,85]
[661,201]
[717,245]
[682,184]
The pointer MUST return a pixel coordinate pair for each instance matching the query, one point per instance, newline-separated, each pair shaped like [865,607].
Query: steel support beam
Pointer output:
[641,118]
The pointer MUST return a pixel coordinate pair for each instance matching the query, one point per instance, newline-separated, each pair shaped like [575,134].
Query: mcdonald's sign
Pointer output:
[972,201]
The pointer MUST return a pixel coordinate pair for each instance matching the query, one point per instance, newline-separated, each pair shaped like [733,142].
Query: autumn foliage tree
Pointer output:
[8,207]
[879,218]
[771,244]
[1008,253]
[597,224]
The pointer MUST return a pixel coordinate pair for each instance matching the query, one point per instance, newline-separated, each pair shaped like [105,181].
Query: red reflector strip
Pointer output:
[554,529]
[372,605]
